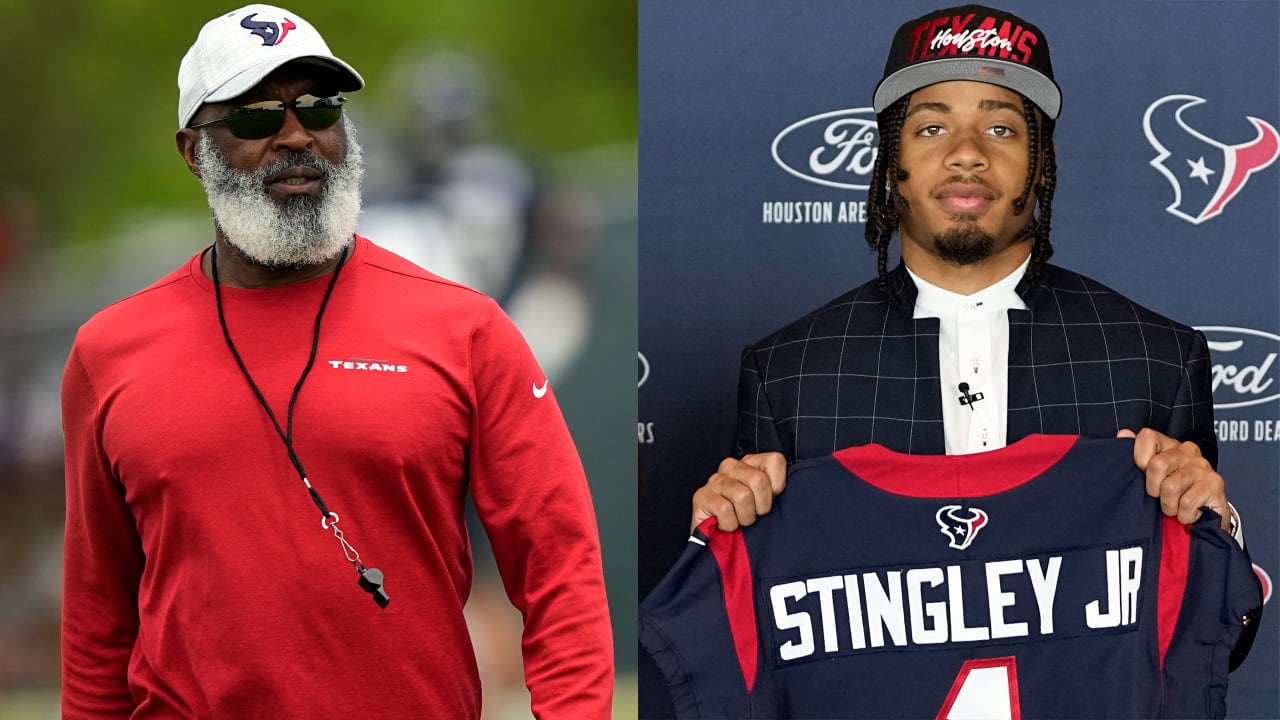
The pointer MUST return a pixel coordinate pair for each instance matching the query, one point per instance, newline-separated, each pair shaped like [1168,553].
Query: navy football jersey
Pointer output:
[1037,580]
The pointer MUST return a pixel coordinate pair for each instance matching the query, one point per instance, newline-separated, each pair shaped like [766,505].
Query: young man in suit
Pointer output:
[973,341]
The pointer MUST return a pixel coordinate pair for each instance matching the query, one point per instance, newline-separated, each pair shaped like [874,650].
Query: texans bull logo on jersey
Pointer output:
[1205,173]
[271,33]
[957,527]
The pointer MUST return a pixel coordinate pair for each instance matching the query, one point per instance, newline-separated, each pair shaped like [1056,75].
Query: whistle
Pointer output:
[371,579]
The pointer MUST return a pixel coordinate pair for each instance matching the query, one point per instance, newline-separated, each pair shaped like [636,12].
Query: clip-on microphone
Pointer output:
[966,398]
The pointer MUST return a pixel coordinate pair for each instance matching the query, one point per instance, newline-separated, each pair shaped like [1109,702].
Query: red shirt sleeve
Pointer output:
[102,564]
[531,494]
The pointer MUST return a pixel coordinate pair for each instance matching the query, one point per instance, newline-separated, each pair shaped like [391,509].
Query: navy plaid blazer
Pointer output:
[1083,360]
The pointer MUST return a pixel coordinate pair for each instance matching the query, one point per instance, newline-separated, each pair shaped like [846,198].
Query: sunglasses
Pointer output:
[264,119]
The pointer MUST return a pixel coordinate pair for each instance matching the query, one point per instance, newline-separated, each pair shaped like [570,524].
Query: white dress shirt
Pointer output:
[973,348]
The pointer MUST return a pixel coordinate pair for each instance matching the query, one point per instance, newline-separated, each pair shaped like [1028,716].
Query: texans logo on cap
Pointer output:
[225,61]
[271,33]
[971,36]
[971,42]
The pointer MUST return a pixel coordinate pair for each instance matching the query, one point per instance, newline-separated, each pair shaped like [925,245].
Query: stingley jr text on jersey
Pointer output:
[1065,594]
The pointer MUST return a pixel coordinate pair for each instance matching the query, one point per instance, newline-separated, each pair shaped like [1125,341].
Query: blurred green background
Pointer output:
[95,203]
[93,86]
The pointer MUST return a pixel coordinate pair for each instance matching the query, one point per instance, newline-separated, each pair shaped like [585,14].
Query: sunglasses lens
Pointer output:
[318,118]
[254,124]
[318,113]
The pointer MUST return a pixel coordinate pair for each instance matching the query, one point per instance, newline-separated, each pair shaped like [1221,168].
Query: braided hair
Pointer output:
[886,207]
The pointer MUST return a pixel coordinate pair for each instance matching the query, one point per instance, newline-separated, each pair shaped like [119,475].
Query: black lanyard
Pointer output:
[371,579]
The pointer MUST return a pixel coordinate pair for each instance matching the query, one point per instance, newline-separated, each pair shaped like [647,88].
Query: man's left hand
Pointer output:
[1179,476]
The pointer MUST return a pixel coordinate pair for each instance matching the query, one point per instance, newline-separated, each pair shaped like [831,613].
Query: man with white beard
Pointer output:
[207,573]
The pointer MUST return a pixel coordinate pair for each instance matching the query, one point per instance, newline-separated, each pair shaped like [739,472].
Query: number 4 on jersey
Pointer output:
[984,689]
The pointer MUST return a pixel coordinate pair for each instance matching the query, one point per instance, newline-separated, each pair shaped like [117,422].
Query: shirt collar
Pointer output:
[933,301]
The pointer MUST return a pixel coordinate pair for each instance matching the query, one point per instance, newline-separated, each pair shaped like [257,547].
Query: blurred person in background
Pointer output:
[198,579]
[449,191]
[450,195]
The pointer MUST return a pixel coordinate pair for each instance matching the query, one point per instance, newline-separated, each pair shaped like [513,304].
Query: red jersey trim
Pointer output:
[1175,555]
[956,476]
[730,552]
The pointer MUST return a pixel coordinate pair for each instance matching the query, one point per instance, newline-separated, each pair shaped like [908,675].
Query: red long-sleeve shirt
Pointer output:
[198,579]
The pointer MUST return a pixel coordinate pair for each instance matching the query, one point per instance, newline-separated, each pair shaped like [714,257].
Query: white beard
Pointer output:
[304,230]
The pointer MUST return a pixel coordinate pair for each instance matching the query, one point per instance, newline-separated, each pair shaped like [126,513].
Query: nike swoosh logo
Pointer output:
[540,391]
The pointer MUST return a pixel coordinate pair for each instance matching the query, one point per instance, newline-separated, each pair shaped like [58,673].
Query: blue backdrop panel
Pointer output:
[756,143]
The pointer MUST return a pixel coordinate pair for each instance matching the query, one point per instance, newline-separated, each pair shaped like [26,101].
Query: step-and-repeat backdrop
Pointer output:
[756,144]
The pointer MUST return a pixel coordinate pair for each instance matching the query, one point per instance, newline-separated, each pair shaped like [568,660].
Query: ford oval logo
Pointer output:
[644,369]
[1244,365]
[836,149]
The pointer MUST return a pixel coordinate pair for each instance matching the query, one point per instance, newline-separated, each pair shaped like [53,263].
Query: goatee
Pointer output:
[965,244]
[304,230]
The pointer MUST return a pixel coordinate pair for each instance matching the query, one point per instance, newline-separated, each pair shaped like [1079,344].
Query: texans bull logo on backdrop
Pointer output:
[271,33]
[960,530]
[1205,173]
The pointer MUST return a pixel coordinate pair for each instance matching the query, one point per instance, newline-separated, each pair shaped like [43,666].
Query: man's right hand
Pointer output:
[740,490]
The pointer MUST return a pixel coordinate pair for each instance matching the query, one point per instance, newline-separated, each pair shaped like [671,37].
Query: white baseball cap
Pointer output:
[235,52]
